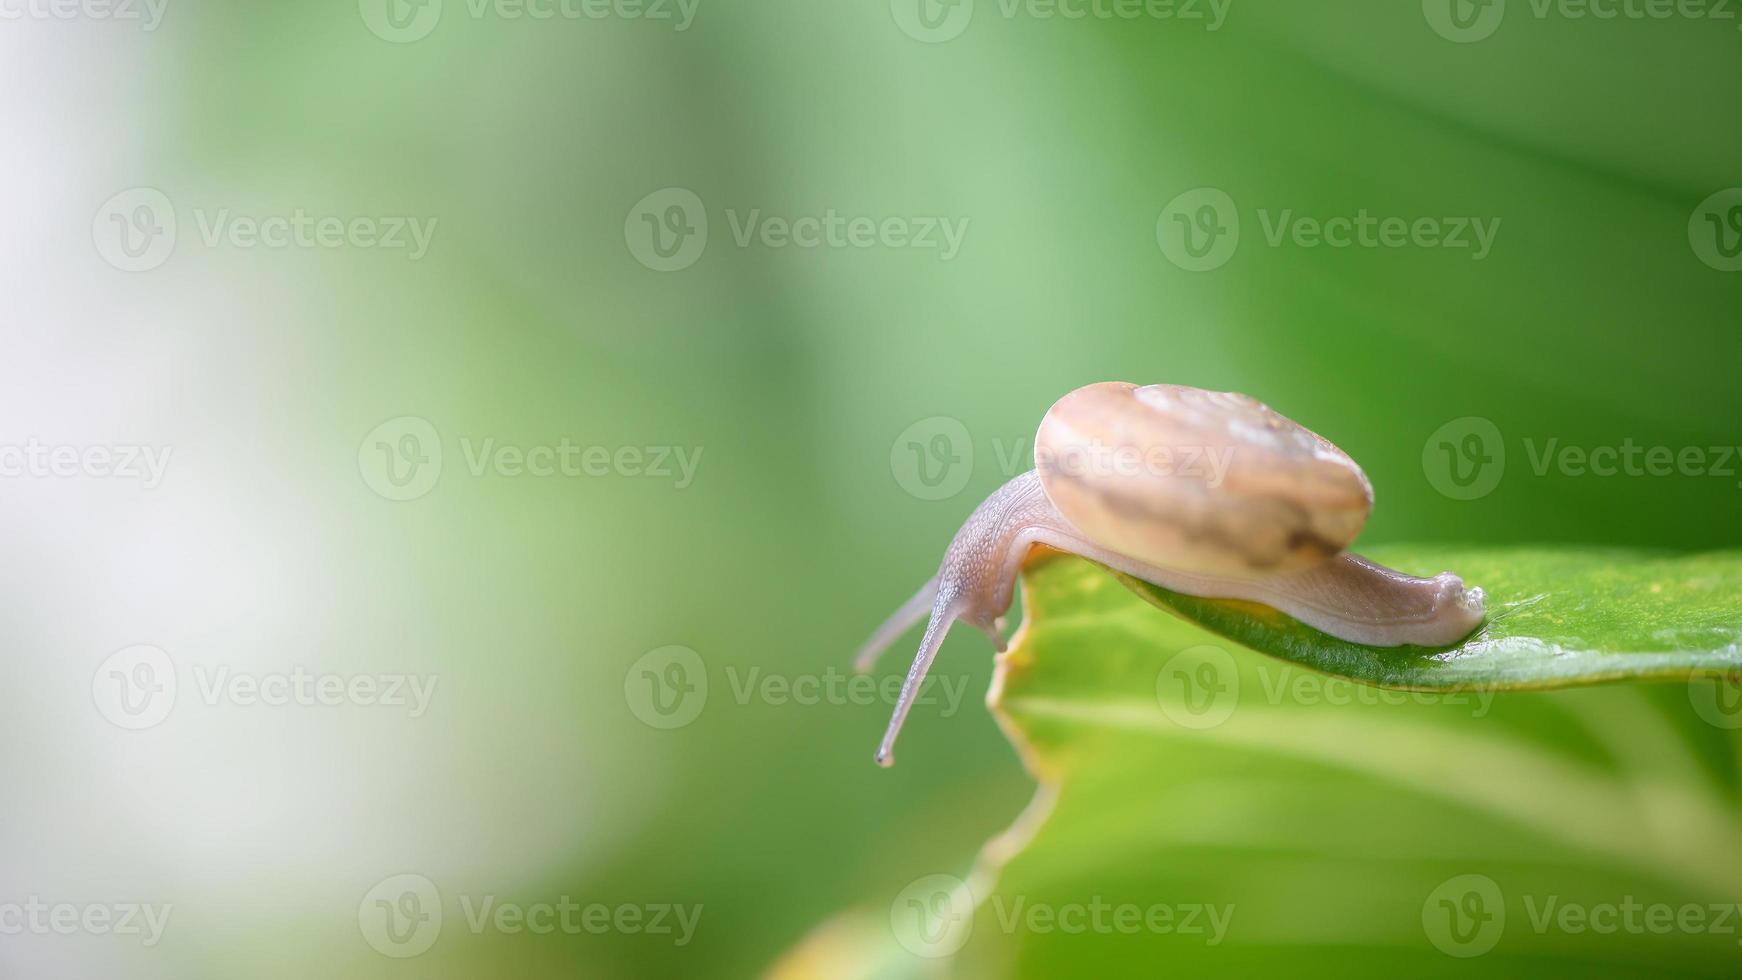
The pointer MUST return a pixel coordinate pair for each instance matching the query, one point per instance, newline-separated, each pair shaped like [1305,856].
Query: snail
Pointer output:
[1207,493]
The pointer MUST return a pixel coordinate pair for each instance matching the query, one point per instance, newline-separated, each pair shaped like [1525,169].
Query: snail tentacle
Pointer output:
[899,622]
[974,584]
[936,629]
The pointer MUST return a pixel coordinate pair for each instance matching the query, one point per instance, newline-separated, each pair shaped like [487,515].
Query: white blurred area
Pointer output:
[261,551]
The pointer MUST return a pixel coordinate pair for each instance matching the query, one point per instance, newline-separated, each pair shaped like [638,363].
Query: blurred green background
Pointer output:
[533,149]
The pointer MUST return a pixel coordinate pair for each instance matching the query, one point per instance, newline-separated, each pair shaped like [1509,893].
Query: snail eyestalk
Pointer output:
[898,623]
[935,630]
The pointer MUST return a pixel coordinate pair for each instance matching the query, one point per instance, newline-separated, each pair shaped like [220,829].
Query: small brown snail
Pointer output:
[1207,493]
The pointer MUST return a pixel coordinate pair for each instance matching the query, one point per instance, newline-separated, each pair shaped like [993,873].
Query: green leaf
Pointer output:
[1341,829]
[1555,618]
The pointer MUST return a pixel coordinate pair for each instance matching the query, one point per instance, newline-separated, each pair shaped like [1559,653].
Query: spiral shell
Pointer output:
[1205,482]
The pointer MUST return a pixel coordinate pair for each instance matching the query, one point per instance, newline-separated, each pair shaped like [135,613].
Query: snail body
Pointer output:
[1211,494]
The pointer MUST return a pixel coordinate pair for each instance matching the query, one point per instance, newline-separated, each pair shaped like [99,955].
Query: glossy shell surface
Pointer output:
[1206,482]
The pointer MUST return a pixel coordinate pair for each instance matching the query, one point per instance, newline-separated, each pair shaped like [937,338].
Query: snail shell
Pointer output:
[1204,482]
